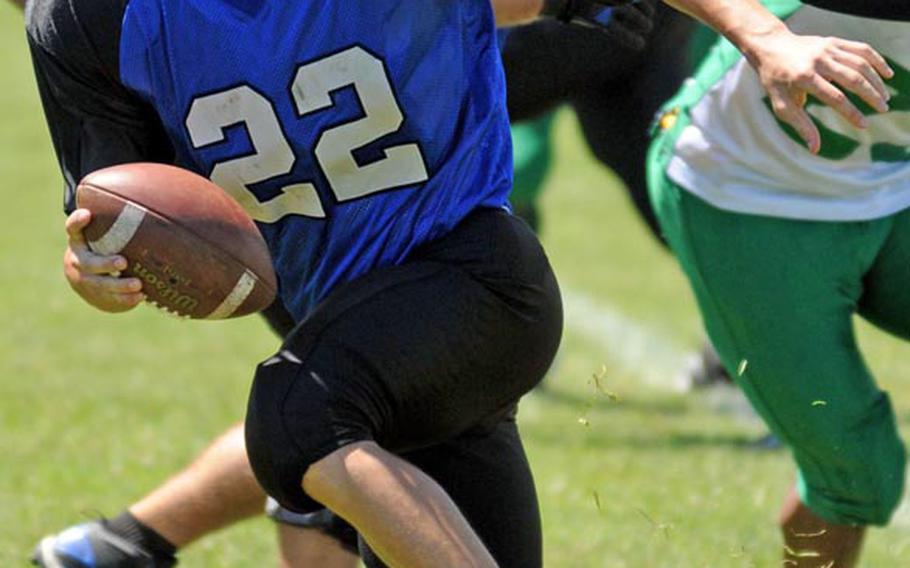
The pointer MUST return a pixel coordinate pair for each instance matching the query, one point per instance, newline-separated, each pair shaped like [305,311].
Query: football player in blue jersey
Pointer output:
[380,211]
[376,161]
[218,488]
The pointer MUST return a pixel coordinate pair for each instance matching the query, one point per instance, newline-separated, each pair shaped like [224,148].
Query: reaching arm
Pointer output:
[791,67]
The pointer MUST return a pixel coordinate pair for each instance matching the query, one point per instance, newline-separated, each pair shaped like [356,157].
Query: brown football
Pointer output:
[198,254]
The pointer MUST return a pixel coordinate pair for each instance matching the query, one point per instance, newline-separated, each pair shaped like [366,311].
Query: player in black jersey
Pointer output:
[614,97]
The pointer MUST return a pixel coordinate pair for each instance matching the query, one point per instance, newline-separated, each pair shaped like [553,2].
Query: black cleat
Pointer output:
[94,545]
[703,370]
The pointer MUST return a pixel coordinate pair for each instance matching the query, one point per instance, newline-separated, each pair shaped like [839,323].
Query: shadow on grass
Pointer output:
[657,404]
[599,423]
[603,439]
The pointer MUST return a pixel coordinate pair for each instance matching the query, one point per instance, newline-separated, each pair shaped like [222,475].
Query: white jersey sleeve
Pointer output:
[738,157]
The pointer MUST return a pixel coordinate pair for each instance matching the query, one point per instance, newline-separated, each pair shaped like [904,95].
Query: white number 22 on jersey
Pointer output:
[311,90]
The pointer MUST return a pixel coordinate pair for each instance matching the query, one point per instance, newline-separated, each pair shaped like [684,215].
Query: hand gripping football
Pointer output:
[198,254]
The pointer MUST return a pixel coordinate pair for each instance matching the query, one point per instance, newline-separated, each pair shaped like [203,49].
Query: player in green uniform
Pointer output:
[782,246]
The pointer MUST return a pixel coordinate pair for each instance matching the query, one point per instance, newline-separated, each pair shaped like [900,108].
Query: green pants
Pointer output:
[532,151]
[777,297]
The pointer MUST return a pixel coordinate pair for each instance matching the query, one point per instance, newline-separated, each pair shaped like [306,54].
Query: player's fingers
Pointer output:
[110,285]
[647,7]
[626,37]
[856,82]
[75,223]
[836,99]
[860,65]
[789,109]
[86,261]
[130,300]
[634,19]
[873,57]
[115,303]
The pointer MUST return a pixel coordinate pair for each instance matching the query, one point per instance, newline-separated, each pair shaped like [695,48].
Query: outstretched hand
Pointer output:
[792,67]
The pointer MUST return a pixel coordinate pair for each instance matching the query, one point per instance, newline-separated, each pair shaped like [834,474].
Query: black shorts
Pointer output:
[410,356]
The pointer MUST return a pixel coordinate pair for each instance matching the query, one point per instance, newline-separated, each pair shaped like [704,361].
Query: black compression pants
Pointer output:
[615,91]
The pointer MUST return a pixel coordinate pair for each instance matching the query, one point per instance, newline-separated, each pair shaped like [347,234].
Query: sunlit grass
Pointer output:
[95,410]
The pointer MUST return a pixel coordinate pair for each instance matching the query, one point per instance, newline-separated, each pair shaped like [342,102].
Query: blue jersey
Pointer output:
[352,131]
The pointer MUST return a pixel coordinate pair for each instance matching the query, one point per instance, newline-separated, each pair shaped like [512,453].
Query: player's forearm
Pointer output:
[746,23]
[792,67]
[514,12]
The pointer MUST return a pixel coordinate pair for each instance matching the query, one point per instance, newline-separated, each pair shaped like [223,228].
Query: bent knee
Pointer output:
[859,479]
[342,468]
[887,482]
[864,500]
[294,421]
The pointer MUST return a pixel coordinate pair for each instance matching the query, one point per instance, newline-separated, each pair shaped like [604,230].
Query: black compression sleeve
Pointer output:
[93,120]
[880,9]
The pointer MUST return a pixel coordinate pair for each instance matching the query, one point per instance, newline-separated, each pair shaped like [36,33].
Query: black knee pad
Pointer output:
[324,521]
[296,417]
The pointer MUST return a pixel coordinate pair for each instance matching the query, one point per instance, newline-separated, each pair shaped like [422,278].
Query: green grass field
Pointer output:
[97,409]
